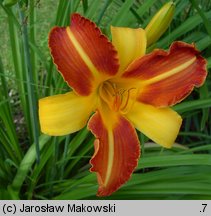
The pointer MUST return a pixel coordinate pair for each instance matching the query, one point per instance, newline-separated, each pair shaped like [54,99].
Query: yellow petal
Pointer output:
[130,44]
[159,124]
[64,113]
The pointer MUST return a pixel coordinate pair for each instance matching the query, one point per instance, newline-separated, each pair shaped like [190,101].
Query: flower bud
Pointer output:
[159,23]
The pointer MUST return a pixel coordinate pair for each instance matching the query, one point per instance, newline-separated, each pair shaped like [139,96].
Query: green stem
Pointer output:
[203,16]
[27,162]
[192,105]
[85,5]
[7,117]
[30,86]
[18,69]
[104,8]
[32,34]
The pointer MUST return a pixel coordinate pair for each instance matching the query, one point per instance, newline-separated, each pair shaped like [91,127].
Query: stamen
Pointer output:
[117,99]
[129,100]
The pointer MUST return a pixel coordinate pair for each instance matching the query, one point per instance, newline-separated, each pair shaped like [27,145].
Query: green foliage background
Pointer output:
[36,166]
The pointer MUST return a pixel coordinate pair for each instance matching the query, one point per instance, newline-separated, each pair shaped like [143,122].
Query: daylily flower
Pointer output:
[124,88]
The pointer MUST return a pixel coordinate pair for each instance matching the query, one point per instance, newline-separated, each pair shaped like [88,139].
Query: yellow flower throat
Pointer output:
[118,99]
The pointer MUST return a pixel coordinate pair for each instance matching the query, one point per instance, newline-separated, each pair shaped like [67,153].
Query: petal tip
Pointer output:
[168,77]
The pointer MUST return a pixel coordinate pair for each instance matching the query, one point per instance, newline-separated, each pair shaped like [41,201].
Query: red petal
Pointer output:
[97,46]
[72,67]
[116,153]
[168,77]
[82,54]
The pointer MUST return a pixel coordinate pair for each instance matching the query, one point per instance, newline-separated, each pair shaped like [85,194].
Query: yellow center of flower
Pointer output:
[117,99]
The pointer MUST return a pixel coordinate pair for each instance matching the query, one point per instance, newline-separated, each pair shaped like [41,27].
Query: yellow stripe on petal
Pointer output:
[82,52]
[130,44]
[110,156]
[159,124]
[166,78]
[64,113]
[170,72]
